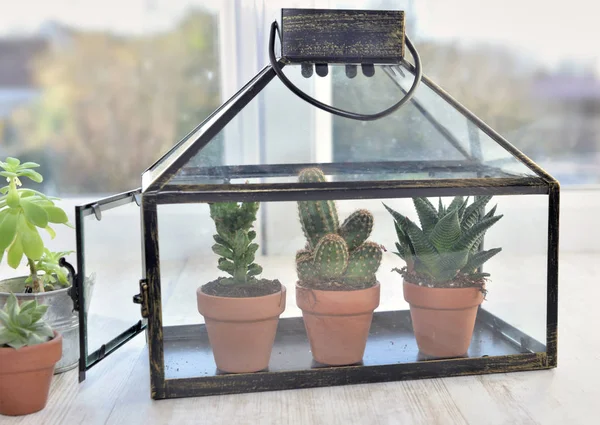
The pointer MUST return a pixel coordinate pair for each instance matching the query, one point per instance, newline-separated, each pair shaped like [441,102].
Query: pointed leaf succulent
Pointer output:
[22,326]
[445,249]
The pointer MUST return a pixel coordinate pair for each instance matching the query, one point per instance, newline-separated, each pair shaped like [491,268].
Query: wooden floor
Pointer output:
[117,390]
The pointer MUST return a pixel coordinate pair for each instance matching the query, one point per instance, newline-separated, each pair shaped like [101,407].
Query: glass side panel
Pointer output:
[112,267]
[277,131]
[478,145]
[514,309]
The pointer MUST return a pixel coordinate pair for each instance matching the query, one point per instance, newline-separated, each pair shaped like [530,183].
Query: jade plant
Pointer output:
[234,238]
[335,255]
[22,212]
[50,272]
[445,250]
[22,326]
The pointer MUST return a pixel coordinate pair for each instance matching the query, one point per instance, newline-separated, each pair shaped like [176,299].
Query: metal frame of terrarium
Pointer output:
[298,372]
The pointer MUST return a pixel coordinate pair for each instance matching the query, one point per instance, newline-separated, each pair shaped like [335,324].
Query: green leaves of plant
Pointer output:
[8,228]
[254,269]
[446,231]
[223,251]
[14,169]
[33,246]
[33,175]
[22,212]
[48,267]
[472,234]
[234,240]
[15,253]
[449,246]
[427,214]
[34,213]
[226,266]
[472,212]
[22,326]
[56,215]
[478,259]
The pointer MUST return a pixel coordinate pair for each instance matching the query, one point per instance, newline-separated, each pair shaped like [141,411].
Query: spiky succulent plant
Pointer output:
[334,253]
[234,241]
[444,251]
[22,326]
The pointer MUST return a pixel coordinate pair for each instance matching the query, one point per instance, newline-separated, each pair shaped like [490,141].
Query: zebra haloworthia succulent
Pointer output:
[334,254]
[444,251]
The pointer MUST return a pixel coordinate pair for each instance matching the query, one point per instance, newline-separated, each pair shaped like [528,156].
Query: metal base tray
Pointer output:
[190,368]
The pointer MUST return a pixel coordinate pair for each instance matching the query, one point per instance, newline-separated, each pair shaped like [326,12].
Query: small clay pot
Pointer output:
[25,376]
[443,318]
[241,331]
[337,322]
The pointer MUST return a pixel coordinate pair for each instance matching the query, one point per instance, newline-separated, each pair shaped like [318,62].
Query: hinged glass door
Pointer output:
[108,285]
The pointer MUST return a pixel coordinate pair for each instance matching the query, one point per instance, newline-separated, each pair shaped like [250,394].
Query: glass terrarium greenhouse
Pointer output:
[339,220]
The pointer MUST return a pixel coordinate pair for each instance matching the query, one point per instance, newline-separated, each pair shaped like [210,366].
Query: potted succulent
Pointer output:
[29,350]
[337,289]
[241,311]
[23,211]
[443,282]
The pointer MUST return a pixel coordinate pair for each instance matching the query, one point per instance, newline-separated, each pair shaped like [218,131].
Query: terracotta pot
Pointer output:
[337,322]
[25,376]
[60,316]
[241,331]
[443,318]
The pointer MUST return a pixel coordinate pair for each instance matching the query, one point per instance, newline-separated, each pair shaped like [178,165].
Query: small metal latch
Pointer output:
[97,211]
[142,298]
[137,197]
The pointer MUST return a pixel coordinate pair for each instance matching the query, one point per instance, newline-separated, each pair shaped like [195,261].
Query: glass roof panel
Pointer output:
[276,134]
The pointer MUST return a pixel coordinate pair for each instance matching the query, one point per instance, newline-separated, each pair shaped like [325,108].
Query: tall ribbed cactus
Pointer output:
[318,218]
[335,253]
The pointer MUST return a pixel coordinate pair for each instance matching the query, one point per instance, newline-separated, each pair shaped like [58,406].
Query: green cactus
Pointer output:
[318,218]
[234,241]
[22,326]
[356,228]
[363,263]
[334,253]
[305,267]
[331,257]
[445,249]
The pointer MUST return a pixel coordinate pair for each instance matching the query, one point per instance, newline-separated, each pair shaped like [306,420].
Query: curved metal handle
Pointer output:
[73,291]
[331,109]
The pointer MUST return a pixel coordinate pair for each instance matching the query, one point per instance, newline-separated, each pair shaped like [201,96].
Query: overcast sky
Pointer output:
[550,30]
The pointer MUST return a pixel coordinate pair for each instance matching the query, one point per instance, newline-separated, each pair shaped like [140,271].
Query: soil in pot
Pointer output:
[25,376]
[241,322]
[337,322]
[443,318]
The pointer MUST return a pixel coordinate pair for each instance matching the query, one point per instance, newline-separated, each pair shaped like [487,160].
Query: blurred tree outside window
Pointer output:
[110,105]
